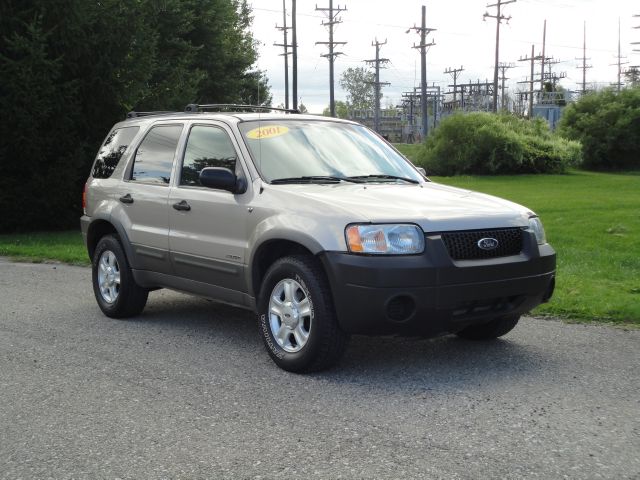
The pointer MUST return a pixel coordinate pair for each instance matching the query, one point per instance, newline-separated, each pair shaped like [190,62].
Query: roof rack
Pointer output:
[192,107]
[145,114]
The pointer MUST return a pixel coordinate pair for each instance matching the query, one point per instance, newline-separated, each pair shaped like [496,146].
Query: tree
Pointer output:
[342,110]
[358,84]
[70,69]
[608,125]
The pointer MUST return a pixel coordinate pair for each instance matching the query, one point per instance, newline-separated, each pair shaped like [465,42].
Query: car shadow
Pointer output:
[396,363]
[388,362]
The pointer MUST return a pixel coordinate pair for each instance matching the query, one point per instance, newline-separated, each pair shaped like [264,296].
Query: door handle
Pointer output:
[182,205]
[126,198]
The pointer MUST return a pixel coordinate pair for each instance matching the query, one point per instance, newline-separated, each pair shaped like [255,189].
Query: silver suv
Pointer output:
[317,224]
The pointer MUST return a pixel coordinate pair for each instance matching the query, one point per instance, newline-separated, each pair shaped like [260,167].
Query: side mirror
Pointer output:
[222,179]
[422,171]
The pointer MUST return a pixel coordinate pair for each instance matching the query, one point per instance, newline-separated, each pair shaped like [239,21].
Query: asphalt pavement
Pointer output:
[186,390]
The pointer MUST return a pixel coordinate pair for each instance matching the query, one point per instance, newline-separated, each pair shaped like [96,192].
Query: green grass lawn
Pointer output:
[409,150]
[593,222]
[65,247]
[591,219]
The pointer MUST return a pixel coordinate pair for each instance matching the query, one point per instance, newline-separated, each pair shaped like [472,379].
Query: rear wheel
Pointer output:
[117,293]
[296,316]
[488,331]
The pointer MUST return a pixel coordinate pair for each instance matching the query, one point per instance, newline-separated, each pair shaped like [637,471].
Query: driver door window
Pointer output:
[206,147]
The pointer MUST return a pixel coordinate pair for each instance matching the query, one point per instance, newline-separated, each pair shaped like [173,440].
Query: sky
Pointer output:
[462,39]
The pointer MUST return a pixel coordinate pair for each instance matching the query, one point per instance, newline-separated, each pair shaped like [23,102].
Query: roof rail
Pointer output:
[145,114]
[193,107]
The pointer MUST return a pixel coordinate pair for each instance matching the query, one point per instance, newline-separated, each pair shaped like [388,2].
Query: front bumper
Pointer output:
[431,294]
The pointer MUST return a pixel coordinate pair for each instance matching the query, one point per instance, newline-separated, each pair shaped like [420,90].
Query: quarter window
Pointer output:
[206,147]
[154,157]
[112,150]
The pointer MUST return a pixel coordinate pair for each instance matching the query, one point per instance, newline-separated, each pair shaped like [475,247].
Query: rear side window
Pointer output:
[112,150]
[154,156]
[206,147]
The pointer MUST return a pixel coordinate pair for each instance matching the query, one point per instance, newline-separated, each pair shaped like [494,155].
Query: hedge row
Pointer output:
[488,144]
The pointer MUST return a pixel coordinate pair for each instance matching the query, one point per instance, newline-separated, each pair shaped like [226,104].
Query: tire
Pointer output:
[489,331]
[116,291]
[297,318]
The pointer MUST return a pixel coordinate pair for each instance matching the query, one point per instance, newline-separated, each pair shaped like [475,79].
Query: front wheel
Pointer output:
[296,316]
[488,331]
[117,293]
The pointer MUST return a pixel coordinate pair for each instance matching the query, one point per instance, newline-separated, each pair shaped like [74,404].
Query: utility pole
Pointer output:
[286,53]
[294,41]
[636,43]
[503,69]
[619,63]
[332,19]
[531,80]
[454,72]
[424,31]
[584,59]
[377,83]
[499,17]
[544,44]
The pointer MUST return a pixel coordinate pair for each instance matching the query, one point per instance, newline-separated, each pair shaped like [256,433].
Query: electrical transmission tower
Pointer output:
[503,70]
[499,17]
[454,72]
[584,59]
[284,29]
[423,30]
[377,84]
[332,19]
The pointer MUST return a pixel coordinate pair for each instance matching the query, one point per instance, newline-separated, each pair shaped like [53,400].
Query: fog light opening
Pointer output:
[400,308]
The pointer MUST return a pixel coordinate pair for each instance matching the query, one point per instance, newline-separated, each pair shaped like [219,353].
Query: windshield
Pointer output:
[313,150]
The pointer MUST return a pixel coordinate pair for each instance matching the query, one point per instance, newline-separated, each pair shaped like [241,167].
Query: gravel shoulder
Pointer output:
[187,390]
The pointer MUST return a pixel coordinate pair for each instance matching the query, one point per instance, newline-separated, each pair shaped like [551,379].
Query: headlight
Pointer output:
[385,239]
[535,225]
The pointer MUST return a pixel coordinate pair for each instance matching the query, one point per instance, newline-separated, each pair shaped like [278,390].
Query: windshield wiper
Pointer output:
[385,177]
[315,179]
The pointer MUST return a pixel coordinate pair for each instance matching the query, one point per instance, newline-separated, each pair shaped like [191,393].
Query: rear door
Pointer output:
[144,194]
[208,227]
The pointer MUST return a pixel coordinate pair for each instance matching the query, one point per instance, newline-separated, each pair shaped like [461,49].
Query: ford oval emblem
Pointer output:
[488,243]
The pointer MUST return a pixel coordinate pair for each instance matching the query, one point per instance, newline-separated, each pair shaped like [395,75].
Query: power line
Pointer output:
[499,17]
[332,19]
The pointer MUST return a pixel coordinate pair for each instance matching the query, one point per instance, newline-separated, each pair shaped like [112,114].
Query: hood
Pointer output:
[433,206]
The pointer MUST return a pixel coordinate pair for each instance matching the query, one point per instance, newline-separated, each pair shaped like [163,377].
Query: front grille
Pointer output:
[464,245]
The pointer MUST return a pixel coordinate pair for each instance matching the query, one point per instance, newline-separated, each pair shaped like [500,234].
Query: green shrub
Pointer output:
[489,144]
[608,126]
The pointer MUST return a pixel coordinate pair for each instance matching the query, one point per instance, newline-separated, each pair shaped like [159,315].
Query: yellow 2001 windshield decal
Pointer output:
[269,131]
